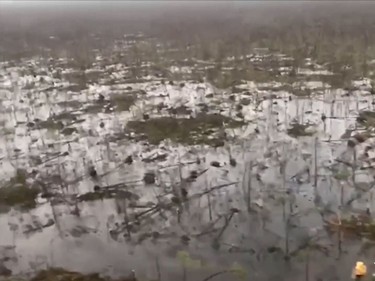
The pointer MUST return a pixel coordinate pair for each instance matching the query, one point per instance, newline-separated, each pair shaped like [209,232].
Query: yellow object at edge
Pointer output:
[360,269]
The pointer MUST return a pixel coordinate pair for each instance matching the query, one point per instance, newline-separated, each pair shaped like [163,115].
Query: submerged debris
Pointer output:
[149,178]
[4,271]
[232,162]
[129,160]
[215,164]
[92,172]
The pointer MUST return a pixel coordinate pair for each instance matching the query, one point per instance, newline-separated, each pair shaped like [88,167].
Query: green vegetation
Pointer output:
[342,174]
[54,274]
[190,131]
[187,261]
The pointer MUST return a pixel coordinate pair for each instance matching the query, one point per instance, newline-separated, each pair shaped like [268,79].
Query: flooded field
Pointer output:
[142,172]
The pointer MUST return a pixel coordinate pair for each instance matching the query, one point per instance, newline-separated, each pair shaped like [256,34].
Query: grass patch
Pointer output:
[75,104]
[119,102]
[245,101]
[66,115]
[189,131]
[362,137]
[107,193]
[285,87]
[342,175]
[122,102]
[366,118]
[94,196]
[301,92]
[236,90]
[135,80]
[51,124]
[55,122]
[17,192]
[180,110]
[299,130]
[68,131]
[94,108]
[77,79]
[75,88]
[64,275]
[337,81]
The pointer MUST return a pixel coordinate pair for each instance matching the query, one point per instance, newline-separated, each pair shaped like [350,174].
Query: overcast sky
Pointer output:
[26,12]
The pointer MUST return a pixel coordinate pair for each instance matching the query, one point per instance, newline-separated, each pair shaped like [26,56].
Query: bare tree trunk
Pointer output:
[209,205]
[341,194]
[56,218]
[208,199]
[287,239]
[227,221]
[307,266]
[158,268]
[283,172]
[340,235]
[184,273]
[286,115]
[249,187]
[291,201]
[180,168]
[354,166]
[126,217]
[316,164]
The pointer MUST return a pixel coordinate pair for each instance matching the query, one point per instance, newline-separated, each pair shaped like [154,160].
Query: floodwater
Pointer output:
[81,235]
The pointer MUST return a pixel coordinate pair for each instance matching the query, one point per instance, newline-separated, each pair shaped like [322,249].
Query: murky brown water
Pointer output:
[83,241]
